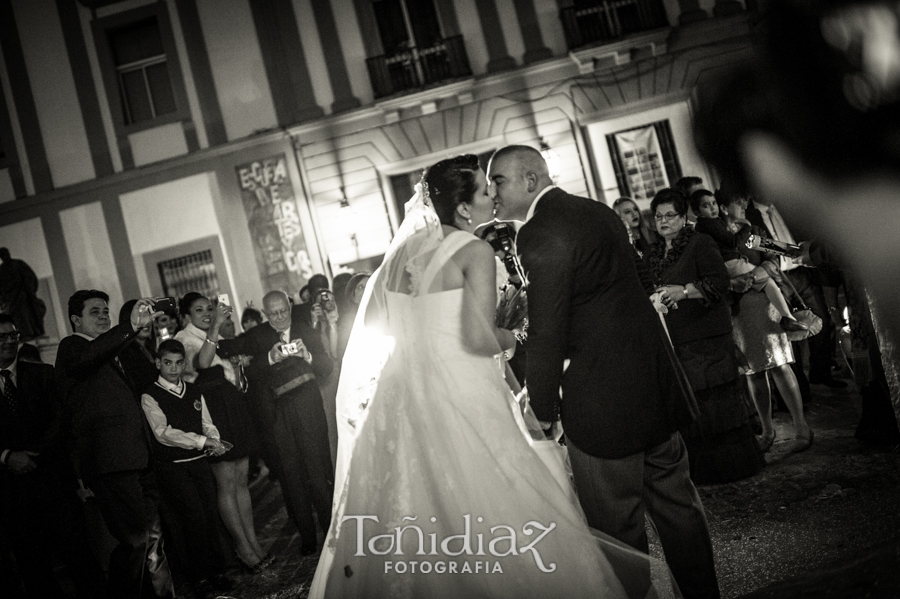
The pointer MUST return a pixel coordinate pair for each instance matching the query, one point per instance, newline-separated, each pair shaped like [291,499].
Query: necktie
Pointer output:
[9,389]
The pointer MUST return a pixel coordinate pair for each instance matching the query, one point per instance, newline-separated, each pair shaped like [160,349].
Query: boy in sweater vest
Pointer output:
[184,435]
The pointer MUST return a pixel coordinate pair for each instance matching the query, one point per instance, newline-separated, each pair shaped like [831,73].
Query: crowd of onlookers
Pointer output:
[745,304]
[159,421]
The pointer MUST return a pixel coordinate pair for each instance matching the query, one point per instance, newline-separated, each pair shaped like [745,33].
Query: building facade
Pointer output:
[153,147]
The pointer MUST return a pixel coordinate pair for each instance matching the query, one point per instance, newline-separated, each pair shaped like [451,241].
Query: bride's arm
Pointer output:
[479,268]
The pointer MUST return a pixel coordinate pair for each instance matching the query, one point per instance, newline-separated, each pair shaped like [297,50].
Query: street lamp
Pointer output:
[552,159]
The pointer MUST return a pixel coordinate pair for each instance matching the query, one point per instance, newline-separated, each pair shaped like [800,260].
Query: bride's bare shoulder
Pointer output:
[474,253]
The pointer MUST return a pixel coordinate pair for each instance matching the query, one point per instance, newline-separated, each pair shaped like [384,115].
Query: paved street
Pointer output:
[821,523]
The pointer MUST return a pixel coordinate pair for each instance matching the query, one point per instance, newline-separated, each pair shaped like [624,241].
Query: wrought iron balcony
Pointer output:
[610,20]
[416,68]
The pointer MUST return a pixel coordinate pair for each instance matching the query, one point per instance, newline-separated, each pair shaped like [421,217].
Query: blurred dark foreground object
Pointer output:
[813,123]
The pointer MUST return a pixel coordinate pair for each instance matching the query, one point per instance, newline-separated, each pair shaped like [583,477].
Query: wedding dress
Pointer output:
[444,495]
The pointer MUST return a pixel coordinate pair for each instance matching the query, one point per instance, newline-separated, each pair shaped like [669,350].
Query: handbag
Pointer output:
[804,315]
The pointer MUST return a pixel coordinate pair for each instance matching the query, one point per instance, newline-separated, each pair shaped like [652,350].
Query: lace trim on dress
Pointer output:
[416,272]
[660,260]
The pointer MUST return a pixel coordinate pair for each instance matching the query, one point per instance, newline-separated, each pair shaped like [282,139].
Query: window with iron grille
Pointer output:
[416,53]
[142,68]
[646,164]
[194,272]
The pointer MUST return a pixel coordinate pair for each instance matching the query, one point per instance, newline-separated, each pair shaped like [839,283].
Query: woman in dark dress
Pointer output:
[223,389]
[692,280]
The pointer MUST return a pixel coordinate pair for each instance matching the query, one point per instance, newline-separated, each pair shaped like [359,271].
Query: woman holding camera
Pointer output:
[764,347]
[223,389]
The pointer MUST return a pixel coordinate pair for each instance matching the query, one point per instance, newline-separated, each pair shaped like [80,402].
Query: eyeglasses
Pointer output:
[665,217]
[9,336]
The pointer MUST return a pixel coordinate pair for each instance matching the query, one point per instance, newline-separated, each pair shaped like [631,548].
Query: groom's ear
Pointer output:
[463,210]
[531,181]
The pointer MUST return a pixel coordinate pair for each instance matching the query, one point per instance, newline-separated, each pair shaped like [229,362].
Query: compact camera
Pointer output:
[290,349]
[224,300]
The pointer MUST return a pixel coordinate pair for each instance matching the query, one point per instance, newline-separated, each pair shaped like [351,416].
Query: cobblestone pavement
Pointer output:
[823,523]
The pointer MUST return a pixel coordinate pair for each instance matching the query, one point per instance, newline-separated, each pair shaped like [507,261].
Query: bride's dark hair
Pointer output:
[451,182]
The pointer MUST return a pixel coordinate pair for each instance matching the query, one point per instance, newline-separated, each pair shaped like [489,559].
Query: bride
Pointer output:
[438,492]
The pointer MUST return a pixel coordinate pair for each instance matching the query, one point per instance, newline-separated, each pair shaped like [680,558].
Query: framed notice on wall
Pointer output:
[644,159]
[278,242]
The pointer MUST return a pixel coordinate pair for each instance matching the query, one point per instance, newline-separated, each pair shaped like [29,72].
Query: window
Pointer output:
[194,272]
[601,21]
[142,68]
[141,71]
[644,159]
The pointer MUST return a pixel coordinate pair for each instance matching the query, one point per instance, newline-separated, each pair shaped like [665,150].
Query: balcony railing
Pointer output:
[610,20]
[416,68]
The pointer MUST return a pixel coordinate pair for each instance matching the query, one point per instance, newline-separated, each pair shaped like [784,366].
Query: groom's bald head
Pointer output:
[517,174]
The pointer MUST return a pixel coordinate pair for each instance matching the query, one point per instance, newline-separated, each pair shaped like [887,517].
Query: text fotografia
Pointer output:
[411,540]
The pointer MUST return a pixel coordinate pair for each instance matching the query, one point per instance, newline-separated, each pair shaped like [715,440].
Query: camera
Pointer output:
[325,299]
[165,304]
[290,349]
[780,248]
[502,241]
[223,299]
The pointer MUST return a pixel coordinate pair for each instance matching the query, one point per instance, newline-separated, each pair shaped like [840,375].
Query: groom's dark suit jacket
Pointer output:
[586,302]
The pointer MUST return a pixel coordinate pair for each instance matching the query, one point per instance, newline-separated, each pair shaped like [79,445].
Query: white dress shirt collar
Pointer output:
[533,206]
[176,389]
[82,335]
[285,335]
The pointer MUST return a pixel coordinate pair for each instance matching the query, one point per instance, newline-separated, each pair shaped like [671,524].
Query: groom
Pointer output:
[622,402]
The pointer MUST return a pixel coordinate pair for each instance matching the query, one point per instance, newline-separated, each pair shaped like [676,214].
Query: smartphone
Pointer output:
[223,299]
[165,304]
[290,349]
[164,333]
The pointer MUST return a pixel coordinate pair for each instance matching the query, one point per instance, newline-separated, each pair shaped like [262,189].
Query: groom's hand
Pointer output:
[548,428]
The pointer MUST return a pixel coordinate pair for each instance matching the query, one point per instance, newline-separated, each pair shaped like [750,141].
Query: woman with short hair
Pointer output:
[692,280]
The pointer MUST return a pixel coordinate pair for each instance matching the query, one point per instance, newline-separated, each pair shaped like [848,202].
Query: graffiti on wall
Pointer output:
[278,241]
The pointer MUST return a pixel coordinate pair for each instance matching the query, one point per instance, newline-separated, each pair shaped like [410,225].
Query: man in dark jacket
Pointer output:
[287,360]
[622,397]
[39,511]
[111,444]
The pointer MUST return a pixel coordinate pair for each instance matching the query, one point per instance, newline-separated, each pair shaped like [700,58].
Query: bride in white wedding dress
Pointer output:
[443,495]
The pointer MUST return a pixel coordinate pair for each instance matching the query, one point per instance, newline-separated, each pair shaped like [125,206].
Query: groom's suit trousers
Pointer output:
[616,493]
